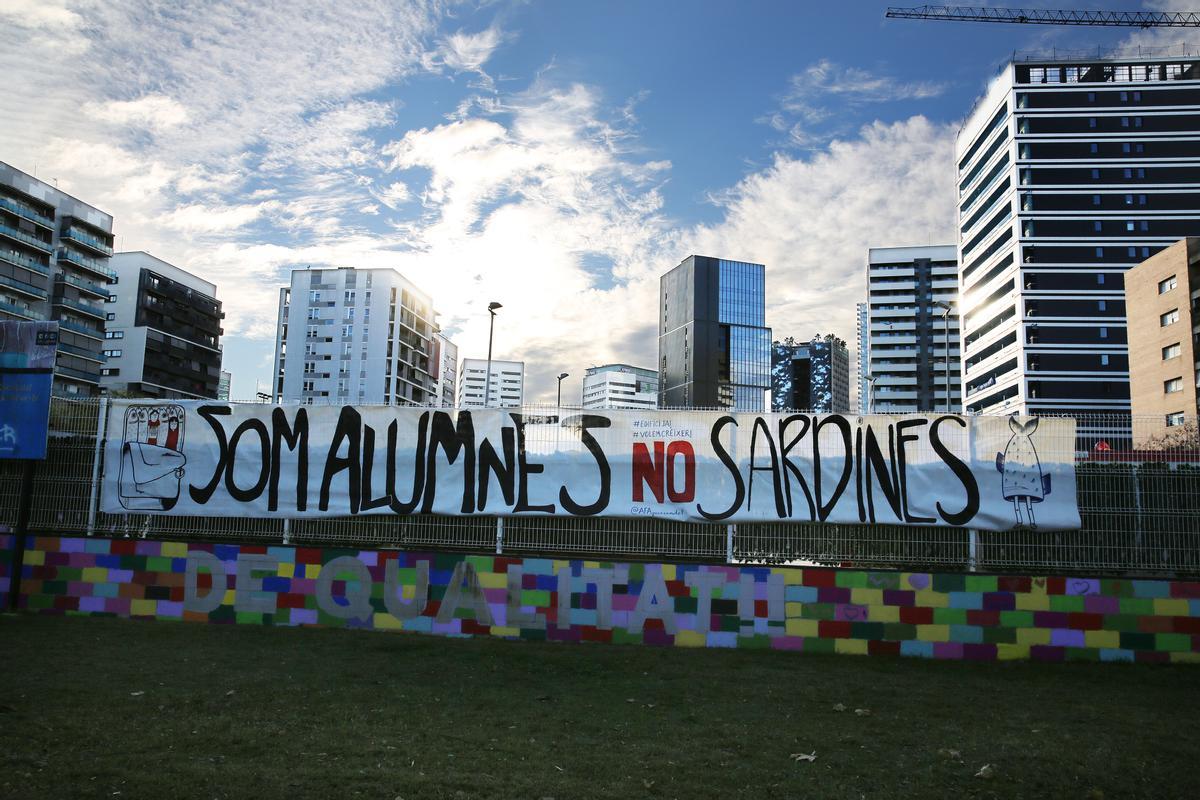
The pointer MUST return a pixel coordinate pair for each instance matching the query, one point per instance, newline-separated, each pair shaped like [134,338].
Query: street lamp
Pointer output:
[946,309]
[487,379]
[560,380]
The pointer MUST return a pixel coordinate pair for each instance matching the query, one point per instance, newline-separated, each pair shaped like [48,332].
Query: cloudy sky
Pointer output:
[556,157]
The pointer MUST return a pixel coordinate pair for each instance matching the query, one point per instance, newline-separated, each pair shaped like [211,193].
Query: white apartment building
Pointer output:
[620,386]
[506,386]
[446,360]
[1069,173]
[864,349]
[354,336]
[908,289]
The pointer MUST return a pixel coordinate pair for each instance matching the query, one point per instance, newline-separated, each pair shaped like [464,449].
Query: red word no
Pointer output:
[660,469]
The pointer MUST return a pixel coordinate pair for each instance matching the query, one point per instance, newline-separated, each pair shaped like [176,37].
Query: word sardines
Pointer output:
[202,458]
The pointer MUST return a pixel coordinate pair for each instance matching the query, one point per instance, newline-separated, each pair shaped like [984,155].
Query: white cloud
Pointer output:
[468,52]
[209,219]
[153,112]
[812,220]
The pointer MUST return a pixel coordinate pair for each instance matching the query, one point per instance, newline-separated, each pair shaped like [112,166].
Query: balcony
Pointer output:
[90,355]
[80,306]
[27,289]
[76,327]
[83,262]
[77,374]
[24,238]
[82,239]
[24,211]
[19,260]
[24,312]
[94,289]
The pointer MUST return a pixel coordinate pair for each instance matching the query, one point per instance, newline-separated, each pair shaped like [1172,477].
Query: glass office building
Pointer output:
[714,348]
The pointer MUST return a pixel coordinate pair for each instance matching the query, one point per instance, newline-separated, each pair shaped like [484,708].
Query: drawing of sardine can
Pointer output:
[152,459]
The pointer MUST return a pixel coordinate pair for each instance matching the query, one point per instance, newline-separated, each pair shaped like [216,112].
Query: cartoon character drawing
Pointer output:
[1023,481]
[151,473]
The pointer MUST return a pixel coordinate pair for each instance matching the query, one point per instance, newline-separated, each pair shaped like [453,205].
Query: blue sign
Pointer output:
[27,353]
[24,413]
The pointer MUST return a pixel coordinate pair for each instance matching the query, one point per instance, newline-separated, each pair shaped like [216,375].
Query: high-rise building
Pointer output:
[162,335]
[1069,172]
[810,376]
[506,383]
[864,350]
[354,336]
[224,385]
[54,252]
[1162,306]
[445,361]
[620,386]
[714,349]
[908,291]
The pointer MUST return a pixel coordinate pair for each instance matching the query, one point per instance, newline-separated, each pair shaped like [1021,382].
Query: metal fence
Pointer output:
[1140,510]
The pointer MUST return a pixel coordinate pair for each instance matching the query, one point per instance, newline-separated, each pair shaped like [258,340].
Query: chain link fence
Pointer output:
[1140,510]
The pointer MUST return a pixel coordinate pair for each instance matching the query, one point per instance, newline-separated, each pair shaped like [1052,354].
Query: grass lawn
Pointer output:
[117,708]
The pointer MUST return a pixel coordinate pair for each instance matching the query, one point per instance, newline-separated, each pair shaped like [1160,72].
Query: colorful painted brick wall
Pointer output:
[950,616]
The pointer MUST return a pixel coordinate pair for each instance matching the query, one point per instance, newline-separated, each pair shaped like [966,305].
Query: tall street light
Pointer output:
[560,380]
[946,308]
[487,379]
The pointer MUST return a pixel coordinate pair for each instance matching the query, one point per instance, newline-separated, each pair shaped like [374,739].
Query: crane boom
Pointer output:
[1048,16]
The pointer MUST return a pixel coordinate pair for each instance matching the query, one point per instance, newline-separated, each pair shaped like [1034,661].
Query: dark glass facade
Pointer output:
[713,345]
[810,376]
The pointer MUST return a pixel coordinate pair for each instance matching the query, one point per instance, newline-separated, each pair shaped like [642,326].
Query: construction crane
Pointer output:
[1047,16]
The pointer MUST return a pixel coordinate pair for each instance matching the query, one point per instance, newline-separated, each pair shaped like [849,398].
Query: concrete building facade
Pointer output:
[863,378]
[505,383]
[54,253]
[620,386]
[163,331]
[714,348]
[908,289]
[810,376]
[354,336]
[1162,303]
[446,361]
[1069,173]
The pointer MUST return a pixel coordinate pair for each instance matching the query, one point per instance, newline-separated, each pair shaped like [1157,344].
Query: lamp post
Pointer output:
[487,378]
[946,308]
[560,380]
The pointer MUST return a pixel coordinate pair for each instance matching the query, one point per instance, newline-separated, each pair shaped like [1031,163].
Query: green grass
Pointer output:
[114,708]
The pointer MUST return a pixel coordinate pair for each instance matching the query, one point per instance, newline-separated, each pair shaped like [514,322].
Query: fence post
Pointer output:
[499,535]
[730,531]
[24,509]
[97,454]
[972,549]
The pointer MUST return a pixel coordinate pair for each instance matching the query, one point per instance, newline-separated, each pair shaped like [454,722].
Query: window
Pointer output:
[1171,351]
[313,313]
[1094,148]
[112,353]
[349,297]
[1167,284]
[314,297]
[1103,305]
[110,316]
[112,298]
[1097,226]
[1091,122]
[1128,172]
[1095,174]
[1174,419]
[1124,122]
[1095,199]
[114,334]
[1125,147]
[1169,318]
[110,371]
[1104,360]
[1173,385]
[1104,333]
[1099,252]
[347,330]
[1137,122]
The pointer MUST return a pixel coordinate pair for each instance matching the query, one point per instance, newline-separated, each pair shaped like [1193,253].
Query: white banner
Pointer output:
[201,458]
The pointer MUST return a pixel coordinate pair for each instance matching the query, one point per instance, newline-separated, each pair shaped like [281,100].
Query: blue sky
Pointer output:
[554,156]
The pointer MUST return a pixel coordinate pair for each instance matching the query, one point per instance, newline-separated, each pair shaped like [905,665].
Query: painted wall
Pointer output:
[949,616]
